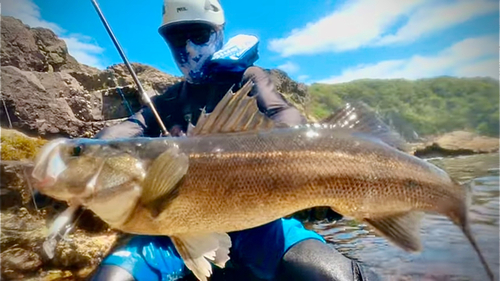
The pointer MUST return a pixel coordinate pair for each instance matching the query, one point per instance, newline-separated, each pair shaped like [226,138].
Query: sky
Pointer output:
[314,41]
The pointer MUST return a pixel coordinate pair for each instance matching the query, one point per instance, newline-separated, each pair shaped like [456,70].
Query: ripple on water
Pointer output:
[446,255]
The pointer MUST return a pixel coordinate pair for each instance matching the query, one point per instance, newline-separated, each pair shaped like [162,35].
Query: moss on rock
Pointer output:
[16,146]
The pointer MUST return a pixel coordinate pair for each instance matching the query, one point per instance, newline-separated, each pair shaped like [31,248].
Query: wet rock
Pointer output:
[13,193]
[15,261]
[54,275]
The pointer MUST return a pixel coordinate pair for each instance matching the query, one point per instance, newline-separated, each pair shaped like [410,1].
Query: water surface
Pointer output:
[446,254]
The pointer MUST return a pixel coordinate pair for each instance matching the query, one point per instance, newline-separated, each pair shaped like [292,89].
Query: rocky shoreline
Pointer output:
[455,144]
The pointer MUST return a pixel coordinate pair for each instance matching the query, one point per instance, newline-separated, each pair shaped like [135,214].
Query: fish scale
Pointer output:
[309,179]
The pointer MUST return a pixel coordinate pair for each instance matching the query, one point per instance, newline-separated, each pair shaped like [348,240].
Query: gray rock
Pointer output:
[19,46]
[33,49]
[46,103]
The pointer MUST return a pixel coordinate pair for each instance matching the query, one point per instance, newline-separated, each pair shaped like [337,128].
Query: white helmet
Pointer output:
[183,11]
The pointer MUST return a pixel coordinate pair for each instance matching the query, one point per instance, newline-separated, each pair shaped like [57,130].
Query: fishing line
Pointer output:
[125,101]
[7,113]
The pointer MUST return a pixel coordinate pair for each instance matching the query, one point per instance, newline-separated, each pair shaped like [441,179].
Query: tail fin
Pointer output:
[469,236]
[462,219]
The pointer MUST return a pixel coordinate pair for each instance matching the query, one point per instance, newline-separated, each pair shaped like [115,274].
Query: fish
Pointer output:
[237,169]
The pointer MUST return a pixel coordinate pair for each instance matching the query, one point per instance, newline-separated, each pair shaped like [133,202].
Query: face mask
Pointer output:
[191,58]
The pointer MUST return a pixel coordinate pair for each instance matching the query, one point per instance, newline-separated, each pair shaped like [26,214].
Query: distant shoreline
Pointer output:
[455,144]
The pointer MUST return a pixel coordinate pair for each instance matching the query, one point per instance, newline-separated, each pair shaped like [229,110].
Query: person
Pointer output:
[280,250]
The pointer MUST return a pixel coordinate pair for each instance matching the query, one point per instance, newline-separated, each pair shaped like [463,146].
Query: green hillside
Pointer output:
[426,106]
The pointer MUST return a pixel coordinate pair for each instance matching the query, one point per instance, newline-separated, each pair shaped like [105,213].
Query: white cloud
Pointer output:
[289,67]
[468,58]
[353,25]
[303,78]
[433,18]
[484,68]
[79,46]
[84,52]
[29,13]
[362,23]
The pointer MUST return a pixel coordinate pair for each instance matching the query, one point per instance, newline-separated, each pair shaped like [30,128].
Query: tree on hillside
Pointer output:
[426,106]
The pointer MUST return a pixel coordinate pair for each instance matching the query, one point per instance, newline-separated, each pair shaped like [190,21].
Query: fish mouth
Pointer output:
[49,164]
[45,183]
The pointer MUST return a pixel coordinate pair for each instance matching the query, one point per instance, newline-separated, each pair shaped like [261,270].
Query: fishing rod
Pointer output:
[145,97]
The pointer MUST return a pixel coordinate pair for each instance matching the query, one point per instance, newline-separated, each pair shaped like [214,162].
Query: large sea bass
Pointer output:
[238,171]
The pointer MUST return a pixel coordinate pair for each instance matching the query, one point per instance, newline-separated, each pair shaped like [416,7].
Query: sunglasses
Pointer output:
[178,36]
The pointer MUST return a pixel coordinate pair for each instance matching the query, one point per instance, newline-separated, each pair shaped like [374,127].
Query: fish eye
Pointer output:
[77,150]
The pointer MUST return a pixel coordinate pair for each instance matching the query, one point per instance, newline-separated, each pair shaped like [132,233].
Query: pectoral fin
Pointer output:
[198,249]
[401,229]
[164,174]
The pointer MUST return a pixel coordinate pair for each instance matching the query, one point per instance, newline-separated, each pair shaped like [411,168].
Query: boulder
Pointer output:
[33,49]
[457,143]
[48,104]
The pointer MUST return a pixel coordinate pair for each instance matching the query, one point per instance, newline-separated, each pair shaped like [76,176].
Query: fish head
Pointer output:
[49,163]
[50,166]
[76,170]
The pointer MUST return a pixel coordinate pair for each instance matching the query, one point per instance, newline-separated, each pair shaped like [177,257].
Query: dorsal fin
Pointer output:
[236,112]
[359,117]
